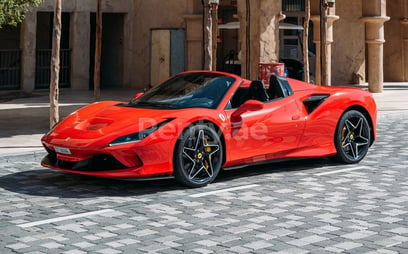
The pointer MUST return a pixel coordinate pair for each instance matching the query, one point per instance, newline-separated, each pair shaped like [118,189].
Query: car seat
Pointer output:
[257,91]
[275,88]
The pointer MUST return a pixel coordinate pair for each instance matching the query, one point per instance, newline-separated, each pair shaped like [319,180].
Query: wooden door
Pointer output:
[167,54]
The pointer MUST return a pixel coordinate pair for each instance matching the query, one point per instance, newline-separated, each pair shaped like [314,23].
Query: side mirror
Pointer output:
[248,106]
[137,96]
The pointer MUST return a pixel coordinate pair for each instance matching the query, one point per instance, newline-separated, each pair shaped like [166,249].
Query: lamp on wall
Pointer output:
[330,3]
[214,4]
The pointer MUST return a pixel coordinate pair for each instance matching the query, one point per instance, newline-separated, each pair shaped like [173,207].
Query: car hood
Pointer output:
[100,123]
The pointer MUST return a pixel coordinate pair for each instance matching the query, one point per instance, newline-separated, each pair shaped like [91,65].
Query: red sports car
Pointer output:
[196,123]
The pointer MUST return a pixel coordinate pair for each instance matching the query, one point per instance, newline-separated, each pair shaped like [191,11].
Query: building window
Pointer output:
[293,5]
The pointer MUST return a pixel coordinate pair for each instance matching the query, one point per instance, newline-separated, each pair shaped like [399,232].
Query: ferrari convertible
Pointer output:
[196,123]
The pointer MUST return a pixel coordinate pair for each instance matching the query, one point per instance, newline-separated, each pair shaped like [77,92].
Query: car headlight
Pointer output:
[138,136]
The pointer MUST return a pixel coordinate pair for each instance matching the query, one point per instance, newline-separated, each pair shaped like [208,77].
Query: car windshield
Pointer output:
[188,90]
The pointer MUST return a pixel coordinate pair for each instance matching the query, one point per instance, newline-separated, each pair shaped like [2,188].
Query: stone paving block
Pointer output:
[75,251]
[381,251]
[92,237]
[202,251]
[359,234]
[17,246]
[257,245]
[109,251]
[323,229]
[240,249]
[51,245]
[392,241]
[83,245]
[74,227]
[346,246]
[399,230]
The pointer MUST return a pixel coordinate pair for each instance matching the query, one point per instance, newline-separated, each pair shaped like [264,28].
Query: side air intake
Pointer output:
[314,101]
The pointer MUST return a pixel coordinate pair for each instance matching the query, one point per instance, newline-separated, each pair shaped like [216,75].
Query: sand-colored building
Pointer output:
[146,41]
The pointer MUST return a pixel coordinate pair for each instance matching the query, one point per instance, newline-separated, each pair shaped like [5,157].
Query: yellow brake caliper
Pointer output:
[207,149]
[343,135]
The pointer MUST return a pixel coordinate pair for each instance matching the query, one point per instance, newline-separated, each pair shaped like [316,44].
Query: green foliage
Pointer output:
[13,12]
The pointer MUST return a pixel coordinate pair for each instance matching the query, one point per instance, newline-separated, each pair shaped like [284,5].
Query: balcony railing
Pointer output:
[43,68]
[10,69]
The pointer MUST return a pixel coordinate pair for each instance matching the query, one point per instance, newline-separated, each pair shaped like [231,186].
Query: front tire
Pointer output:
[352,138]
[198,156]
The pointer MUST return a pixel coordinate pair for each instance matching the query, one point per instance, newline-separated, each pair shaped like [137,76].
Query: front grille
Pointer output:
[99,162]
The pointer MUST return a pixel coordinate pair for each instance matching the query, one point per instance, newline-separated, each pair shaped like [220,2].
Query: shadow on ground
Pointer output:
[28,115]
[44,182]
[29,120]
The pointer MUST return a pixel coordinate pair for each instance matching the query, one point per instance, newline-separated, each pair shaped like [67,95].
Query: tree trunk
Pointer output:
[323,44]
[306,66]
[214,35]
[208,42]
[98,51]
[55,64]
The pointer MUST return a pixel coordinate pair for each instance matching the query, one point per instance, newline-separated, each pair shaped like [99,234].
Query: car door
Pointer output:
[265,133]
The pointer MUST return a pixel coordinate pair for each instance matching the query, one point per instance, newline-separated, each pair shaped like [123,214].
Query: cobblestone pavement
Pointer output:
[305,206]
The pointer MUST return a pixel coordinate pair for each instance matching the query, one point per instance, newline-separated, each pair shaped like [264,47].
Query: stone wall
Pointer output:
[269,31]
[259,39]
[149,15]
[348,48]
[79,43]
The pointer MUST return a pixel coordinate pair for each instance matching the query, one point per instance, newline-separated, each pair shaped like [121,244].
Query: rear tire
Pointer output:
[352,138]
[198,156]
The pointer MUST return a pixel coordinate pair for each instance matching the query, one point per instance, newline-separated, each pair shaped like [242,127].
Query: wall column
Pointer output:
[316,40]
[374,17]
[259,33]
[80,50]
[404,22]
[331,18]
[28,46]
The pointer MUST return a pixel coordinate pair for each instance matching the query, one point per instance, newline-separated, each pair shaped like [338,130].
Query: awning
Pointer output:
[229,25]
[282,26]
[289,26]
